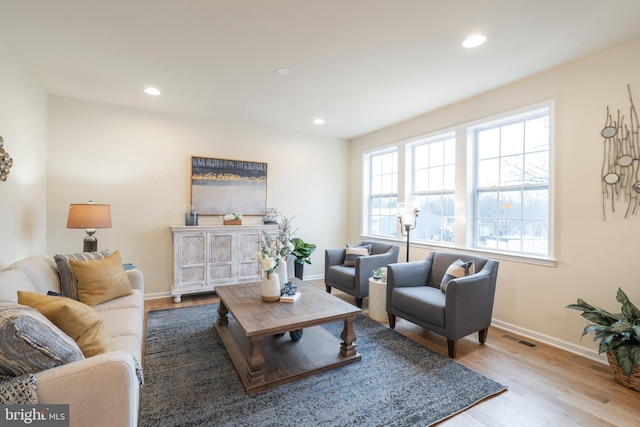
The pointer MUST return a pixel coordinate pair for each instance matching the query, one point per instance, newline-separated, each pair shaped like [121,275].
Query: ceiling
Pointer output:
[361,65]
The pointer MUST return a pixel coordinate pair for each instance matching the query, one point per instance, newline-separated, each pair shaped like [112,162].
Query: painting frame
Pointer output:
[223,186]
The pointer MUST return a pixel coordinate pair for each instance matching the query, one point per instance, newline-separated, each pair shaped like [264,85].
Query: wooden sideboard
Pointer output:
[206,256]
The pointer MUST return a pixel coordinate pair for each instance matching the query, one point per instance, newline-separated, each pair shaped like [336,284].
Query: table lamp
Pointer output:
[89,216]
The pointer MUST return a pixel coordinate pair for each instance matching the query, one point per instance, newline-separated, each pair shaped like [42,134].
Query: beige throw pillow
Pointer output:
[456,270]
[79,321]
[355,252]
[101,280]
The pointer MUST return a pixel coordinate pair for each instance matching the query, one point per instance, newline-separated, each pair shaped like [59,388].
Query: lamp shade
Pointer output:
[89,216]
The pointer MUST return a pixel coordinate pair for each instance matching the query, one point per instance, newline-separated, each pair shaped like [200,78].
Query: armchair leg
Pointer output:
[328,288]
[359,302]
[451,344]
[482,335]
[392,320]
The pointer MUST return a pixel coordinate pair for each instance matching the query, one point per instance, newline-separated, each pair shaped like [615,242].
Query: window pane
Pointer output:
[488,143]
[383,187]
[511,170]
[535,204]
[512,185]
[537,135]
[512,139]
[509,204]
[433,186]
[536,167]
[488,173]
[487,206]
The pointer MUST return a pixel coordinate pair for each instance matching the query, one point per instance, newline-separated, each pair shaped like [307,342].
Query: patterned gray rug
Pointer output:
[190,381]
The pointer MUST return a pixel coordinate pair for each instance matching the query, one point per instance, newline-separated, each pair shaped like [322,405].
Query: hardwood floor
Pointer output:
[546,386]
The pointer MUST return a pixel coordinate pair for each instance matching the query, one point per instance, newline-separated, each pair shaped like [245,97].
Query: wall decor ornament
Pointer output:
[5,161]
[620,168]
[219,186]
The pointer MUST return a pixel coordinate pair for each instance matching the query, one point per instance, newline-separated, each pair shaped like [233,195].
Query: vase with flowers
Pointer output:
[270,288]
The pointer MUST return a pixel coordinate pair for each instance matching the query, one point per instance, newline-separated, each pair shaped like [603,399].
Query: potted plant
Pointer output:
[301,251]
[619,336]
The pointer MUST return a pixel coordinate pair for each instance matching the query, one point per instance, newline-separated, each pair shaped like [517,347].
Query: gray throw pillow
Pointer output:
[68,281]
[456,270]
[30,343]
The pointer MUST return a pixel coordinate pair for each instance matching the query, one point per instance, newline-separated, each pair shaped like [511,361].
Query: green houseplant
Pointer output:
[301,251]
[619,336]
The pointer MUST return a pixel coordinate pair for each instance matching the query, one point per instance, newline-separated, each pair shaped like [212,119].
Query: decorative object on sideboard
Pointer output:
[191,216]
[302,252]
[271,216]
[408,218]
[619,337]
[89,216]
[5,161]
[620,168]
[219,186]
[232,219]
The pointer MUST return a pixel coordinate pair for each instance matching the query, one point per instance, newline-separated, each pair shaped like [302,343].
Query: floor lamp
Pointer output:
[407,219]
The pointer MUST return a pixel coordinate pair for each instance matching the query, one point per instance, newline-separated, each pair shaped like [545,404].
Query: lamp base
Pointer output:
[90,242]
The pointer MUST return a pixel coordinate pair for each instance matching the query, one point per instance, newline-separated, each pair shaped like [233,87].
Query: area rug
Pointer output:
[190,381]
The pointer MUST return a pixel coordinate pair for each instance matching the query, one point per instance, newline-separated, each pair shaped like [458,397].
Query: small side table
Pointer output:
[378,300]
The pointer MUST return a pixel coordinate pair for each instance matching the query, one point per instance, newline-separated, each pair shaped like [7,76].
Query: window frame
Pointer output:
[464,217]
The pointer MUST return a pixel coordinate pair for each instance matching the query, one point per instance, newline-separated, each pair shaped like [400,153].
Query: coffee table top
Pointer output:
[257,317]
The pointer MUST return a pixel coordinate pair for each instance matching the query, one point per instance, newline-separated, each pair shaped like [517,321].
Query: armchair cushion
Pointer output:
[457,269]
[353,253]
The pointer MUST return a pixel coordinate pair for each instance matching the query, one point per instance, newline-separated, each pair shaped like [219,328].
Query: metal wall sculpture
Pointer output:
[620,169]
[5,161]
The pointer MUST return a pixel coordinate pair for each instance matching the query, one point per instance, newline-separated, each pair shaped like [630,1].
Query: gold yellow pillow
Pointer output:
[77,320]
[101,280]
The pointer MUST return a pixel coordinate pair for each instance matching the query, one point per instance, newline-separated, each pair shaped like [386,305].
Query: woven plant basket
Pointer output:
[632,381]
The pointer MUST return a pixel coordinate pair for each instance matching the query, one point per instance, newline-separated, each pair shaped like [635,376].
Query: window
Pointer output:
[382,178]
[433,187]
[501,188]
[511,190]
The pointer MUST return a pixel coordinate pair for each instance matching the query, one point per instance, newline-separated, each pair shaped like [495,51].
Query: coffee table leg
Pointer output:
[256,361]
[222,314]
[347,347]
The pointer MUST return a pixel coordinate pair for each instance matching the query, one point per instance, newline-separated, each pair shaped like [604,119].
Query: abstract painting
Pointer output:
[221,186]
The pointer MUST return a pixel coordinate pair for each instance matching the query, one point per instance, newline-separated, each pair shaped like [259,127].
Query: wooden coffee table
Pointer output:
[264,360]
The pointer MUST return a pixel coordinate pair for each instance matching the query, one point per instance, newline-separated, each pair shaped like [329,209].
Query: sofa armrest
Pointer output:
[102,390]
[136,279]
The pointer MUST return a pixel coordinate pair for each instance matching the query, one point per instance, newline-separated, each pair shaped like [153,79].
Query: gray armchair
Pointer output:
[355,280]
[413,293]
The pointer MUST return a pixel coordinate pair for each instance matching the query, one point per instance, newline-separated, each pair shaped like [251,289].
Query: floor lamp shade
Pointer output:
[89,216]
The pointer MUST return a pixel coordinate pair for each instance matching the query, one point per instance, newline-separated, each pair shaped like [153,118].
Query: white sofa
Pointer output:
[101,390]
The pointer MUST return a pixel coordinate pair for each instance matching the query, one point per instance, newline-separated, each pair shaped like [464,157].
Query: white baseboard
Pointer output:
[549,340]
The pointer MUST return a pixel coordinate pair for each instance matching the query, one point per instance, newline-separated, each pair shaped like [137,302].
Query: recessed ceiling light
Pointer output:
[474,40]
[318,121]
[152,91]
[282,71]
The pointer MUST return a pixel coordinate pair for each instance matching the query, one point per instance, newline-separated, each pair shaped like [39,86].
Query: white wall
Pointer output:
[23,125]
[594,256]
[140,163]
